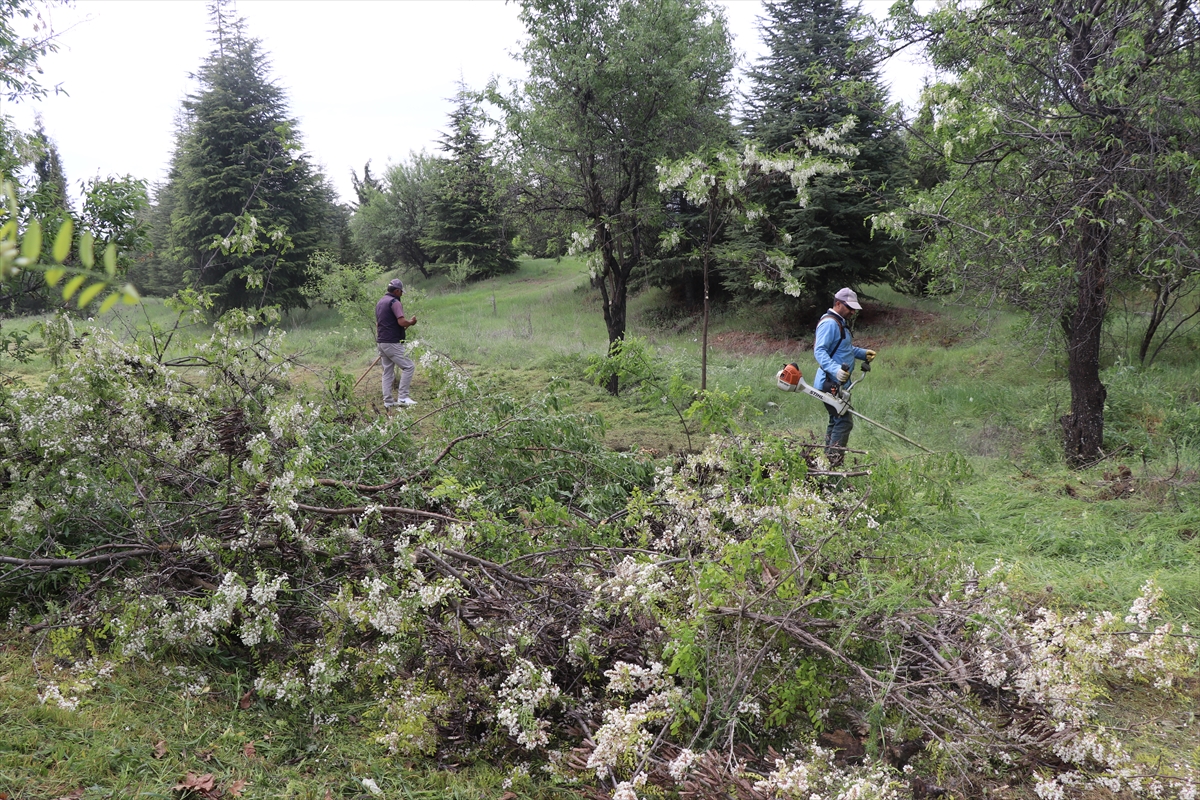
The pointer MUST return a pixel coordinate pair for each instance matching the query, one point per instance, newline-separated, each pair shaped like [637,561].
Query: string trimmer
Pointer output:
[790,379]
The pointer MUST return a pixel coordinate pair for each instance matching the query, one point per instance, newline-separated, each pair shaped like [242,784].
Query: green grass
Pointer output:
[991,396]
[146,726]
[1080,538]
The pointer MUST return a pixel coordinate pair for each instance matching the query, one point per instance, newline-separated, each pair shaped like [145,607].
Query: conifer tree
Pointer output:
[238,157]
[820,70]
[49,202]
[464,220]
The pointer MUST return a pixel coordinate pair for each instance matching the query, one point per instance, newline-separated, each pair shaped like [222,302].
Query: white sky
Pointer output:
[365,79]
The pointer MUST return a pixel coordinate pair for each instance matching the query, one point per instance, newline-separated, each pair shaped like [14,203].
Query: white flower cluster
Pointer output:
[626,678]
[324,672]
[527,689]
[382,608]
[53,694]
[623,739]
[1060,660]
[626,790]
[1062,663]
[23,515]
[292,419]
[581,241]
[260,618]
[634,585]
[680,765]
[289,688]
[815,776]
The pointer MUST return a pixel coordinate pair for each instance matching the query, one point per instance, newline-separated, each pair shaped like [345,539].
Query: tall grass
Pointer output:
[989,395]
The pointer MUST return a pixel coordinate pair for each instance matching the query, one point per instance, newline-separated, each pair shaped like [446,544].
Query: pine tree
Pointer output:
[44,198]
[49,202]
[238,157]
[818,72]
[464,221]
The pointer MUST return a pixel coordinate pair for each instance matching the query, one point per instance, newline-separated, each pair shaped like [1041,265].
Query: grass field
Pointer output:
[988,395]
[985,400]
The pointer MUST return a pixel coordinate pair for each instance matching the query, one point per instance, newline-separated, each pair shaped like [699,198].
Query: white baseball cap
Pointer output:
[848,297]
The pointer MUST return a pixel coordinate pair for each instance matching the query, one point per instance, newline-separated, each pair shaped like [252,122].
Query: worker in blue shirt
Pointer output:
[836,354]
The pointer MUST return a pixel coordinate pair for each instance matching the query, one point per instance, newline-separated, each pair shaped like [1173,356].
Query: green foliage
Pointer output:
[238,170]
[345,287]
[21,254]
[592,143]
[1078,184]
[20,52]
[821,71]
[460,271]
[926,480]
[720,183]
[391,219]
[114,212]
[465,220]
[632,364]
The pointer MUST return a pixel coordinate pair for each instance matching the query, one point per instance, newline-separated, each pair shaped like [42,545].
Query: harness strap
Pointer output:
[841,338]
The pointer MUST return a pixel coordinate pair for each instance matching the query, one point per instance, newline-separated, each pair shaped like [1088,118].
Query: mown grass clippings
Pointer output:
[140,729]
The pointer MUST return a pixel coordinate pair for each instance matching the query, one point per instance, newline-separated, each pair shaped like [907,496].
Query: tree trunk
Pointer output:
[1083,428]
[614,291]
[1162,304]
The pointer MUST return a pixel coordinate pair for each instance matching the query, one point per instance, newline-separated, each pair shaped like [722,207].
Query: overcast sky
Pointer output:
[365,79]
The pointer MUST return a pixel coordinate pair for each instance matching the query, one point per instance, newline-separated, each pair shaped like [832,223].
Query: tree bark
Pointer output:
[614,292]
[1083,428]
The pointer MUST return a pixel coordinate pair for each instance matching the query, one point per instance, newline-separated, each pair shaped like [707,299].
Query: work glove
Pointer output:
[870,356]
[842,375]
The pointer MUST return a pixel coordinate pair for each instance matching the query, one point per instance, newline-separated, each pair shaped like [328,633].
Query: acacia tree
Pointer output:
[613,88]
[723,183]
[20,53]
[1070,134]
[821,68]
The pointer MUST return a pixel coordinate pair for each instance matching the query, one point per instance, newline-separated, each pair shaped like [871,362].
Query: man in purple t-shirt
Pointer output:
[390,326]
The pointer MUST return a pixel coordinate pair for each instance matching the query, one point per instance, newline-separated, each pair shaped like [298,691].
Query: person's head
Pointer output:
[845,302]
[395,287]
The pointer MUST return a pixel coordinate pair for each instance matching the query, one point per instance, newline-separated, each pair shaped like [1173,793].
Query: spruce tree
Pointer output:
[49,202]
[820,70]
[464,221]
[238,155]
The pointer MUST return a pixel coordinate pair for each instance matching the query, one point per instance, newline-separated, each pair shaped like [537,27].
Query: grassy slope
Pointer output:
[1094,535]
[1085,538]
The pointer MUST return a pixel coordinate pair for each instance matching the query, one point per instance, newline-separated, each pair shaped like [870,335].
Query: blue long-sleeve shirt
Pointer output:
[829,353]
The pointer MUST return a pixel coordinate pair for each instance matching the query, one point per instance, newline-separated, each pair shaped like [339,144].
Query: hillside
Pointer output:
[225,560]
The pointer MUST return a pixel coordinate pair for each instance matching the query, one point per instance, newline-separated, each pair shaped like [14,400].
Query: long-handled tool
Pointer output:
[790,379]
[367,372]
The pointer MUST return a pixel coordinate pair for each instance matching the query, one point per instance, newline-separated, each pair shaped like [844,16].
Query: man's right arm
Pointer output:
[398,310]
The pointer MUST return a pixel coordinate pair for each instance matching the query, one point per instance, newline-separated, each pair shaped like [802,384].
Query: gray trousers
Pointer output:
[392,355]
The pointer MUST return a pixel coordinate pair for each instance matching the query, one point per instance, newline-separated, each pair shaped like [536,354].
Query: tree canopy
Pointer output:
[238,168]
[390,219]
[613,88]
[1070,138]
[465,222]
[821,68]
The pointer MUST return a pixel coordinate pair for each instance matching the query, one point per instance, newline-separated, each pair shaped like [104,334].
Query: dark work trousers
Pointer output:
[837,436]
